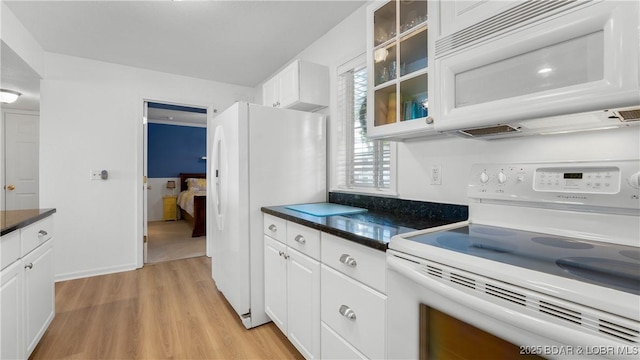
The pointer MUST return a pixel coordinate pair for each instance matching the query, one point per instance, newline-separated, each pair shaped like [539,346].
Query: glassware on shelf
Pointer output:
[384,23]
[412,13]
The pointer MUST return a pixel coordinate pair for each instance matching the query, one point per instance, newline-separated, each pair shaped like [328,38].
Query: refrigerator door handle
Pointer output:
[220,169]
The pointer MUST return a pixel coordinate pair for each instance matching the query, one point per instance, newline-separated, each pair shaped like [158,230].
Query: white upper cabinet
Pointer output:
[399,73]
[299,86]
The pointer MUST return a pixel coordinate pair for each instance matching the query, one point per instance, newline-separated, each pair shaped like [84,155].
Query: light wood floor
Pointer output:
[168,310]
[171,240]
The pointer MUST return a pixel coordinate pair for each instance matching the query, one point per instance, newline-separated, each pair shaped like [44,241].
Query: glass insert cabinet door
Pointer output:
[398,68]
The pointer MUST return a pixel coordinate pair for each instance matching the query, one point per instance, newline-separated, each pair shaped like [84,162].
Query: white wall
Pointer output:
[456,155]
[14,34]
[91,118]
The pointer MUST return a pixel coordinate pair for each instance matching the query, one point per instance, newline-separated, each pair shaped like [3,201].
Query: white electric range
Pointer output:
[548,264]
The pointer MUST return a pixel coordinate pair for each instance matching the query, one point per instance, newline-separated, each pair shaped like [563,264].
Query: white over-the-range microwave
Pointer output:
[527,65]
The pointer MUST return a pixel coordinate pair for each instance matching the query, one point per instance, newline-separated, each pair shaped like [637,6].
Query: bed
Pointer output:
[192,202]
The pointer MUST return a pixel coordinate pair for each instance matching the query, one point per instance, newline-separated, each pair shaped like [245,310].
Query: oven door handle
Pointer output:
[456,298]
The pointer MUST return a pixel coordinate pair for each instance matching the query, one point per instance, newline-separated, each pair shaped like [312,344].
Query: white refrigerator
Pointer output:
[257,156]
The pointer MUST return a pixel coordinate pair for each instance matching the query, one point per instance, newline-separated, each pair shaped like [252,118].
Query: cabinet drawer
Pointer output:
[342,296]
[275,227]
[10,245]
[35,234]
[355,260]
[304,239]
[335,347]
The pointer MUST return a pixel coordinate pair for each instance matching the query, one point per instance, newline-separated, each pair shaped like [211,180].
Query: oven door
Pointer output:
[430,319]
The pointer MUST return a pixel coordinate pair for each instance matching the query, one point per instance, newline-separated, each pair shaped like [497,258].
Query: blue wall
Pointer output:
[176,149]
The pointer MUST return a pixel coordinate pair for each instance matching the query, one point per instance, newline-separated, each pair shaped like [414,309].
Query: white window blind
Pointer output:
[365,164]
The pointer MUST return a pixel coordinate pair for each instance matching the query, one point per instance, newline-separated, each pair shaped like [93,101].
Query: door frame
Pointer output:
[141,208]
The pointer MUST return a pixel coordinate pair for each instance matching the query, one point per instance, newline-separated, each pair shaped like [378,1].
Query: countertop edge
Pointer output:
[333,231]
[24,223]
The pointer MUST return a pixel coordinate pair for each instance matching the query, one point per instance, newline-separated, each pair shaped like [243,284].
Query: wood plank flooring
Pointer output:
[168,310]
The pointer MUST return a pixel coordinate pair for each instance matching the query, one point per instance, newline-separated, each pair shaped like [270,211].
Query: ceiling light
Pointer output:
[8,96]
[545,70]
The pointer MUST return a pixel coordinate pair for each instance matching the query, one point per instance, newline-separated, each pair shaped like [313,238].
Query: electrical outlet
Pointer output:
[95,175]
[436,174]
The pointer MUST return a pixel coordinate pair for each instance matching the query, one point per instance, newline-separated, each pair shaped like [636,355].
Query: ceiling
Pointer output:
[19,76]
[236,42]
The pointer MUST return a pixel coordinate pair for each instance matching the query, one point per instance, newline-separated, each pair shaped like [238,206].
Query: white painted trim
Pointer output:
[176,123]
[140,167]
[95,272]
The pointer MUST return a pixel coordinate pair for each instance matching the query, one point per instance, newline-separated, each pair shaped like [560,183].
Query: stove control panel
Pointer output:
[611,184]
[605,180]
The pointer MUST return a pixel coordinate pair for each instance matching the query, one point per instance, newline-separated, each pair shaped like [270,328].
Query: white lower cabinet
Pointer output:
[327,294]
[354,311]
[292,291]
[11,303]
[39,293]
[335,347]
[275,282]
[27,293]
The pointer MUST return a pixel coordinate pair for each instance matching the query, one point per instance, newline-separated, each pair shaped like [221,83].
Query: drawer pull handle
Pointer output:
[348,260]
[273,228]
[347,312]
[42,233]
[300,239]
[29,266]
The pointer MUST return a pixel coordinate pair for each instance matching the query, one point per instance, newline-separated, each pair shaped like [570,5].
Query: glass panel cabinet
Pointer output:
[398,68]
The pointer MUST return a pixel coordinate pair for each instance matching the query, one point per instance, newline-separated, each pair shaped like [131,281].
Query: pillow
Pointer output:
[194,184]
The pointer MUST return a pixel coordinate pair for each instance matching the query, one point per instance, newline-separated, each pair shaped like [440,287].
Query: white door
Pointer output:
[275,282]
[21,154]
[39,293]
[289,85]
[145,182]
[303,303]
[11,309]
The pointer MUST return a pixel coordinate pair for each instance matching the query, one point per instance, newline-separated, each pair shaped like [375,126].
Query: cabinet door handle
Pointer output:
[273,228]
[286,256]
[347,312]
[42,233]
[429,120]
[280,253]
[348,260]
[300,239]
[29,266]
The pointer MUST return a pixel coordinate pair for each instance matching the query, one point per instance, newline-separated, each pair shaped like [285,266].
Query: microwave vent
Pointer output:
[629,115]
[511,18]
[488,131]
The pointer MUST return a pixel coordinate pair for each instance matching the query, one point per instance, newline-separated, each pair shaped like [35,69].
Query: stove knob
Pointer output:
[484,178]
[634,180]
[502,178]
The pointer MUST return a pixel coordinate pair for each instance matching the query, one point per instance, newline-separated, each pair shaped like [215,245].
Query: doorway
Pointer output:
[175,144]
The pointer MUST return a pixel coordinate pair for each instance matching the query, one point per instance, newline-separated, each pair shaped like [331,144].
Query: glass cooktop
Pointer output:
[609,265]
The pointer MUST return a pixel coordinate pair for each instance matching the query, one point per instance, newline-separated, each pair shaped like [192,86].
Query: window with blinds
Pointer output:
[366,164]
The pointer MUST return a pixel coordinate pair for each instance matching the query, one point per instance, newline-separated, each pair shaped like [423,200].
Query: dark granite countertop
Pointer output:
[12,220]
[372,228]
